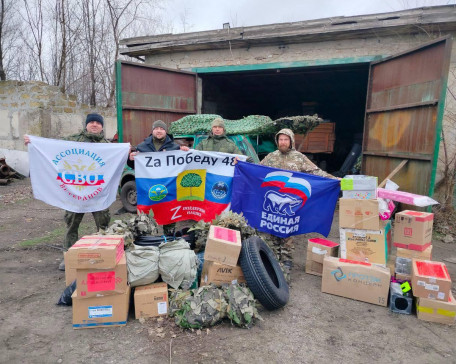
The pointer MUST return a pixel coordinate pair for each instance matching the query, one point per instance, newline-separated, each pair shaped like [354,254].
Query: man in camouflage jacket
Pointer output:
[217,140]
[287,157]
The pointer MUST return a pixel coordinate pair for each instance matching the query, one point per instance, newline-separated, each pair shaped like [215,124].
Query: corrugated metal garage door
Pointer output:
[149,93]
[404,114]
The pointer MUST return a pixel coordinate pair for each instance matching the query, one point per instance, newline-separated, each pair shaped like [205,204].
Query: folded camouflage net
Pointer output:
[209,305]
[249,125]
[131,229]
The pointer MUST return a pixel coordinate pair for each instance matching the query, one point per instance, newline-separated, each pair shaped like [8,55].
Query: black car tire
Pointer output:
[263,274]
[128,196]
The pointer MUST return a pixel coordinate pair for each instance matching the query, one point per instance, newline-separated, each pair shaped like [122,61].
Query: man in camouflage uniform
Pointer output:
[217,140]
[287,157]
[93,133]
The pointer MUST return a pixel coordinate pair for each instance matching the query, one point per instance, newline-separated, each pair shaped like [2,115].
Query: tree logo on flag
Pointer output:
[191,185]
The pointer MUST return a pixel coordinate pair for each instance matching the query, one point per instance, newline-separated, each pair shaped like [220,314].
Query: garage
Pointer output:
[336,93]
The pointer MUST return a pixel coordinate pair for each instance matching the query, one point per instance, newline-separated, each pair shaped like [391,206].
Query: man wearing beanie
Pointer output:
[158,141]
[93,133]
[217,140]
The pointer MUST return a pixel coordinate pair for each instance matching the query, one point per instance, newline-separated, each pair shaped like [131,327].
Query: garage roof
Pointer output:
[430,19]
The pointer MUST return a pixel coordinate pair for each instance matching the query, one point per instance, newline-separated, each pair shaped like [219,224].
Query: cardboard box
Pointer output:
[359,214]
[223,245]
[317,248]
[369,246]
[430,280]
[96,251]
[218,274]
[313,267]
[70,273]
[356,280]
[426,254]
[413,230]
[436,311]
[358,182]
[100,311]
[151,300]
[360,195]
[102,282]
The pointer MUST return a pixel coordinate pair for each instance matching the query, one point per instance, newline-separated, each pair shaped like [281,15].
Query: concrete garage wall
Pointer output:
[37,108]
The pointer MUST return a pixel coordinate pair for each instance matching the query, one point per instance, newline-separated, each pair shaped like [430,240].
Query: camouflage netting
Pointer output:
[252,124]
[228,219]
[209,305]
[138,225]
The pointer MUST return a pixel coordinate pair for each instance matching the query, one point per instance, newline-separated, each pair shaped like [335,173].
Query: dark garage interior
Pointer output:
[336,93]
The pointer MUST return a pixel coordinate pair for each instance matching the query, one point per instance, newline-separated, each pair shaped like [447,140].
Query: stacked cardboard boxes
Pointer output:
[221,257]
[363,236]
[102,294]
[431,285]
[317,249]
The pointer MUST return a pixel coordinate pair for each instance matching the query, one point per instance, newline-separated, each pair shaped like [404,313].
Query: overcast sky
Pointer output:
[198,15]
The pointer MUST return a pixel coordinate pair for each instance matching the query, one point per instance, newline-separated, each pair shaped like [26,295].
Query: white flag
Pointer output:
[76,176]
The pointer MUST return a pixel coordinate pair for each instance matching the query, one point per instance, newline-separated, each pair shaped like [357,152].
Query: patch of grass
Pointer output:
[57,235]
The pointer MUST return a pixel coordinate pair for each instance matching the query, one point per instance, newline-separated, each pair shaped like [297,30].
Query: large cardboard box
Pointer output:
[223,245]
[426,254]
[102,282]
[359,214]
[151,300]
[413,230]
[218,274]
[356,280]
[430,280]
[369,246]
[317,249]
[70,273]
[100,311]
[96,251]
[436,311]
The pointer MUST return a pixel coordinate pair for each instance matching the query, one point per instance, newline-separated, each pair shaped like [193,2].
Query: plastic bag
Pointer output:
[65,299]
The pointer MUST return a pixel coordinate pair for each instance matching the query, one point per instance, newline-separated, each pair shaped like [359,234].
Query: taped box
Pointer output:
[413,230]
[359,214]
[426,254]
[223,245]
[436,311]
[151,300]
[356,280]
[214,272]
[100,311]
[369,246]
[430,280]
[317,249]
[102,282]
[96,251]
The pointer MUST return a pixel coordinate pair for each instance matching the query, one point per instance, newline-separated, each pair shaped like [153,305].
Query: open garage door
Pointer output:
[404,112]
[146,94]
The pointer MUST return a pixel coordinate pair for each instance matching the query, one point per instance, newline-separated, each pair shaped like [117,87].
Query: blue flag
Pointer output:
[284,203]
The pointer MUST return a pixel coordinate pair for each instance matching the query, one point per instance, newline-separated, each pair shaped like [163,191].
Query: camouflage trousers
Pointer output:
[283,250]
[73,220]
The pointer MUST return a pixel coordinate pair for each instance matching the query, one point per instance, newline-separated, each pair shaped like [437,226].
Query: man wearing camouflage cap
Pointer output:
[217,140]
[287,157]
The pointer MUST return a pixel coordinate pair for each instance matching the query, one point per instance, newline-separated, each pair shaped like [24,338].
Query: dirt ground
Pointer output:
[313,328]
